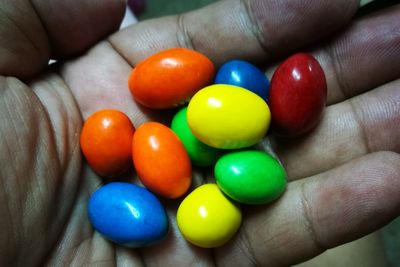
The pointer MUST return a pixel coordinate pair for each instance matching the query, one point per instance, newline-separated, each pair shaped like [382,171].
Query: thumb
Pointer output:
[33,31]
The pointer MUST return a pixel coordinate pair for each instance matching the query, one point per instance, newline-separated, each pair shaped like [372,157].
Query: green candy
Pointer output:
[250,176]
[199,153]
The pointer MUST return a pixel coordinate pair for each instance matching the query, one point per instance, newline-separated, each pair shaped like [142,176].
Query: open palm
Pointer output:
[345,175]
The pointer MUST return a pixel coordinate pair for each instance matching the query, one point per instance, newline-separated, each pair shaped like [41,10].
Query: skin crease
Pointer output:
[345,186]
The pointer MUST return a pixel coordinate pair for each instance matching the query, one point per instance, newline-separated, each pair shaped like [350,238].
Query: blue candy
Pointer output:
[128,215]
[244,74]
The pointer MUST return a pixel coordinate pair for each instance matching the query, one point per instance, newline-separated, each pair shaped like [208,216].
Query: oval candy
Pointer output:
[106,142]
[199,153]
[243,74]
[160,160]
[227,116]
[250,176]
[207,218]
[128,215]
[297,95]
[170,77]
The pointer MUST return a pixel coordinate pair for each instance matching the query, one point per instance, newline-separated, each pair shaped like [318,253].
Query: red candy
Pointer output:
[161,160]
[297,95]
[169,78]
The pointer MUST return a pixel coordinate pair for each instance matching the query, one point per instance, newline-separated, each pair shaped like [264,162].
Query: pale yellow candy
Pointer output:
[207,218]
[227,116]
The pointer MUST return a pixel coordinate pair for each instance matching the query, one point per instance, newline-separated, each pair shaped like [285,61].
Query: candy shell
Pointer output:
[297,95]
[228,117]
[170,77]
[106,142]
[244,74]
[250,176]
[207,218]
[160,160]
[200,154]
[128,215]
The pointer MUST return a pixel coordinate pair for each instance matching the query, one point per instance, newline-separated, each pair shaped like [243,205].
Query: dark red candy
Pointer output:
[297,95]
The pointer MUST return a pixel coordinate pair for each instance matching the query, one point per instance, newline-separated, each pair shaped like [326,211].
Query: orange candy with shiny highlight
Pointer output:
[106,142]
[170,78]
[161,160]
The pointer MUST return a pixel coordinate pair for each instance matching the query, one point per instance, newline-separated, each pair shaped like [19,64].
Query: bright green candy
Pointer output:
[250,176]
[199,153]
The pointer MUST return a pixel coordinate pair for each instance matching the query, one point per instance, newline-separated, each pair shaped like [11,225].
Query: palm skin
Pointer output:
[344,175]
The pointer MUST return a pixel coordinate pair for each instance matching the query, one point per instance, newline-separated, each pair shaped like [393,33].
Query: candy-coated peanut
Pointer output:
[207,218]
[199,153]
[244,74]
[227,116]
[170,77]
[161,160]
[297,95]
[106,142]
[250,176]
[128,214]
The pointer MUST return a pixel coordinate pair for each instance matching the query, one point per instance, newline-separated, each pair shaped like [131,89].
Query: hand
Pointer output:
[345,175]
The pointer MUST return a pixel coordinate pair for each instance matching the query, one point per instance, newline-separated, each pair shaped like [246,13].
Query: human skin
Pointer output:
[344,176]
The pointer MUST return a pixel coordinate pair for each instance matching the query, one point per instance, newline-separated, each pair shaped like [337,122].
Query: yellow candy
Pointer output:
[227,116]
[207,218]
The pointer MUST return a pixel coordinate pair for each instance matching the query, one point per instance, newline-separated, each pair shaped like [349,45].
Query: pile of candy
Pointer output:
[219,127]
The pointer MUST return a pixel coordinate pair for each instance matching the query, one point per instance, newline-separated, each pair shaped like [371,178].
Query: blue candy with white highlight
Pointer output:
[244,74]
[128,214]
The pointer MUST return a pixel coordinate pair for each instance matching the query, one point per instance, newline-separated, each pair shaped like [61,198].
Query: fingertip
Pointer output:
[355,199]
[74,26]
[253,30]
[320,212]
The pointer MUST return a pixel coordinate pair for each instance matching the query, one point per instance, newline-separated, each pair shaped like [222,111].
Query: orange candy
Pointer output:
[161,160]
[170,78]
[106,142]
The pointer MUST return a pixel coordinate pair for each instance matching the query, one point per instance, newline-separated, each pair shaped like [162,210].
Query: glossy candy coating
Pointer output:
[244,74]
[106,142]
[227,116]
[128,214]
[250,176]
[199,153]
[207,218]
[170,77]
[297,95]
[161,160]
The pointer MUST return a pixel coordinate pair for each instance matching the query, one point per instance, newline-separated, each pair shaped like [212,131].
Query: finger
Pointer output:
[370,247]
[238,28]
[369,49]
[41,164]
[73,26]
[361,125]
[319,213]
[99,79]
[364,56]
[31,31]
[348,129]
